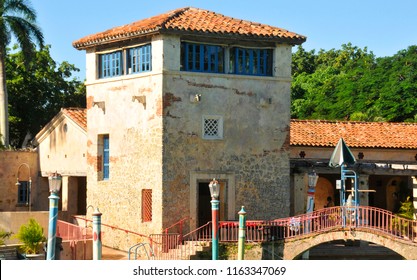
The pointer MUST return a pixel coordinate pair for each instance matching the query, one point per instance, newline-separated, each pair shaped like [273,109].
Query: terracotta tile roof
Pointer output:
[78,115]
[356,134]
[191,20]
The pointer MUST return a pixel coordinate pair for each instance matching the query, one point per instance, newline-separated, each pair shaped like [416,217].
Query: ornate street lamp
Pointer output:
[214,187]
[55,180]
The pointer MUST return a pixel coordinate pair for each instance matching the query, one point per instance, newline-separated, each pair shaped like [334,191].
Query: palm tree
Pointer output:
[17,19]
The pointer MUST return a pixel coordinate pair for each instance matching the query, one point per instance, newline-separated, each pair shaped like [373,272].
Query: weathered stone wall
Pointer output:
[254,146]
[155,141]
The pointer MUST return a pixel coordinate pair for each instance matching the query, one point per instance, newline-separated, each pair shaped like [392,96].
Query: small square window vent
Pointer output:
[212,127]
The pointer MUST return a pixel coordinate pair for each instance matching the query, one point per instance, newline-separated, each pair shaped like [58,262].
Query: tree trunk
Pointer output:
[4,115]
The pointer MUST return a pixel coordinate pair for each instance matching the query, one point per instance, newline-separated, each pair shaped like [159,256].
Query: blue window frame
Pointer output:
[139,59]
[256,62]
[202,58]
[23,192]
[106,157]
[110,64]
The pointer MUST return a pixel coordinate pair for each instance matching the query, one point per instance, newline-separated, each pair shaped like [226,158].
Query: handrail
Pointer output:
[180,223]
[365,217]
[139,245]
[117,228]
[68,231]
[205,228]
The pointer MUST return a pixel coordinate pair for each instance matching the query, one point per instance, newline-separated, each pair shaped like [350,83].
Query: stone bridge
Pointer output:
[292,248]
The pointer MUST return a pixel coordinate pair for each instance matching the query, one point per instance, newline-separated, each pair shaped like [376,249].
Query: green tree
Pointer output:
[18,19]
[352,84]
[398,86]
[38,90]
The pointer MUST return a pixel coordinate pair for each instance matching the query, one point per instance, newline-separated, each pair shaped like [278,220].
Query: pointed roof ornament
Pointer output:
[341,155]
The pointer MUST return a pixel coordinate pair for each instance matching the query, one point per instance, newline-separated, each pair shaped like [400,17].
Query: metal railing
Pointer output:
[71,232]
[372,219]
[135,249]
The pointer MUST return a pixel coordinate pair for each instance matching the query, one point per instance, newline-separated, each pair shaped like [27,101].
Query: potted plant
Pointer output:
[32,238]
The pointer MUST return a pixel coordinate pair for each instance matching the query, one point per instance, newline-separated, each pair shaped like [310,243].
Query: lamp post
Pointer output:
[214,187]
[97,245]
[242,234]
[54,187]
[29,186]
[312,182]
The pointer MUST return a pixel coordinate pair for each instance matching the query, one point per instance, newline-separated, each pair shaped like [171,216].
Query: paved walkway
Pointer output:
[108,253]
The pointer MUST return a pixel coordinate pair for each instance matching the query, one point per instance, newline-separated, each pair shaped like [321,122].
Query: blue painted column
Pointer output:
[242,234]
[97,245]
[215,229]
[53,217]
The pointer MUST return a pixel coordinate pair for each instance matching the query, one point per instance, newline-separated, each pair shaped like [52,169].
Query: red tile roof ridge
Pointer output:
[354,122]
[189,19]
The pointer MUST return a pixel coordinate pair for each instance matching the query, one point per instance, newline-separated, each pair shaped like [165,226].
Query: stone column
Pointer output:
[300,193]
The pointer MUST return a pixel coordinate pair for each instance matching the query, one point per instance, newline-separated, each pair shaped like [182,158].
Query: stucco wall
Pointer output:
[14,164]
[132,117]
[58,152]
[12,221]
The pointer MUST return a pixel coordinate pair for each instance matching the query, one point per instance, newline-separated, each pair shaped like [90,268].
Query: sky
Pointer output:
[383,26]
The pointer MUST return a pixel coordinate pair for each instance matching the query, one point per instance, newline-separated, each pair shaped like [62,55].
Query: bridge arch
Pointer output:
[293,248]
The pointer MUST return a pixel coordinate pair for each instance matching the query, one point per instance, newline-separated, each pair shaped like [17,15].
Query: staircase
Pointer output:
[190,250]
[176,246]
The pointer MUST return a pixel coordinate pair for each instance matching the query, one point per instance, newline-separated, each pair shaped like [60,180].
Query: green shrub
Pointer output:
[4,235]
[407,209]
[31,235]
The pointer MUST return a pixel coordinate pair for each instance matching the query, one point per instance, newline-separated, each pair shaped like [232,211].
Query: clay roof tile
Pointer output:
[190,19]
[321,133]
[78,115]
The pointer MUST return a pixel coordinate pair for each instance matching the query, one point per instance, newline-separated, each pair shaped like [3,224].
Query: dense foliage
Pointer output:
[352,84]
[37,91]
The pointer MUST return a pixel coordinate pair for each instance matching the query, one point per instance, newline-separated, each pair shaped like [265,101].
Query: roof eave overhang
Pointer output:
[129,36]
[114,39]
[354,147]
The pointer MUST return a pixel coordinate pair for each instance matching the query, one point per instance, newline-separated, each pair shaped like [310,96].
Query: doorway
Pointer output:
[200,199]
[204,205]
[204,202]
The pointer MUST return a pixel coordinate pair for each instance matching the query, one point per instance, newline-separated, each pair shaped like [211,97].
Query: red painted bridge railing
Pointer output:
[379,221]
[371,218]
